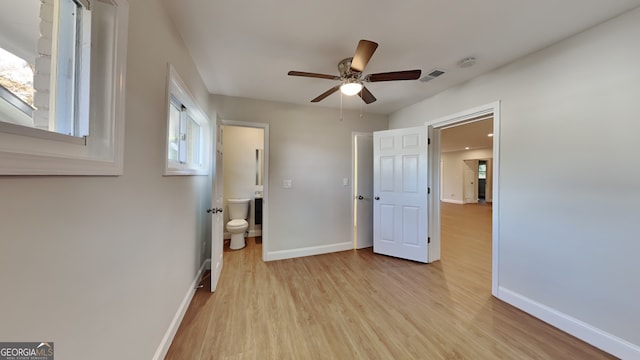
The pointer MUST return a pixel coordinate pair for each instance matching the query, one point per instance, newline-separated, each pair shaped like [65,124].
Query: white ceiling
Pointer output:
[472,135]
[245,48]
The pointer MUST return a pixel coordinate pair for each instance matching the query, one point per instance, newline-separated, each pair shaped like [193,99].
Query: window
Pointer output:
[188,131]
[70,69]
[184,135]
[482,171]
[16,82]
[59,54]
[64,50]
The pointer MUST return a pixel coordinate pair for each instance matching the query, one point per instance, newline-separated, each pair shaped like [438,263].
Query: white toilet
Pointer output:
[238,225]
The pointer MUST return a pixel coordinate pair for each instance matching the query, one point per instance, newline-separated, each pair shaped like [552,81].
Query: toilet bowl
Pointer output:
[238,225]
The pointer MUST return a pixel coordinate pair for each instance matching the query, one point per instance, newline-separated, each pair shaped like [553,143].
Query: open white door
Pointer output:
[470,178]
[363,190]
[400,225]
[217,219]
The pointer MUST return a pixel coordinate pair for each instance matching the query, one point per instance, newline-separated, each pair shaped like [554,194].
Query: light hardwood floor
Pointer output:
[359,305]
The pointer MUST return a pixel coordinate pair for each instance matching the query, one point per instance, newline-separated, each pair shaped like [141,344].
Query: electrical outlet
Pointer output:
[287,184]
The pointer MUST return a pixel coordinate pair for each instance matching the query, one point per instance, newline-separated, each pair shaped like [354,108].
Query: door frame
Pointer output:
[354,135]
[265,178]
[434,174]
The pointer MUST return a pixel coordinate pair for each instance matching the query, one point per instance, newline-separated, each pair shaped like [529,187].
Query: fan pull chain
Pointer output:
[361,114]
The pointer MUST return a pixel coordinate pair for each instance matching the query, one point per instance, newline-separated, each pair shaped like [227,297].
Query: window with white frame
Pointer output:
[54,54]
[188,131]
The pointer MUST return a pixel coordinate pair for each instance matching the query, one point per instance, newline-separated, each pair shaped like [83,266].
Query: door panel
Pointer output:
[400,193]
[470,176]
[410,225]
[217,219]
[386,173]
[387,222]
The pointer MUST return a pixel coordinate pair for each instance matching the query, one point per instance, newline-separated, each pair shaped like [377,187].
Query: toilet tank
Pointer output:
[238,208]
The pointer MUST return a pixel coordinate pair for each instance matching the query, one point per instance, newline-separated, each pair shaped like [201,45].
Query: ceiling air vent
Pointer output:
[432,75]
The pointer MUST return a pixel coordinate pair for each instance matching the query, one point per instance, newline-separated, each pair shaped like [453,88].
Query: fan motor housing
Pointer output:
[344,66]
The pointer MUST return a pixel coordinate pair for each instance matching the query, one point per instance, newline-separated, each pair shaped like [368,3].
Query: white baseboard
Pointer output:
[308,251]
[252,233]
[452,201]
[255,233]
[163,348]
[583,331]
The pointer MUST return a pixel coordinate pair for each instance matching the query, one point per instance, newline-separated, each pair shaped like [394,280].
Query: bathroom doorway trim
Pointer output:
[265,179]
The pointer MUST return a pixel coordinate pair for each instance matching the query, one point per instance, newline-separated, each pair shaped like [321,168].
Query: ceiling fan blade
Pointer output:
[326,93]
[313,75]
[363,54]
[367,96]
[394,75]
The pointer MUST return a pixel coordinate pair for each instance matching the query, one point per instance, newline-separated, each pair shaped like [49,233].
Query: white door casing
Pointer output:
[436,126]
[363,190]
[265,181]
[400,225]
[217,218]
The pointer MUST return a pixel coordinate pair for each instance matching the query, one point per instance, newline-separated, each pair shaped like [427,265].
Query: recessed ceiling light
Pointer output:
[490,135]
[466,148]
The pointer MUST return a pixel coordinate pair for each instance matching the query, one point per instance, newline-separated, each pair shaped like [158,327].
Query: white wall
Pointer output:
[99,265]
[569,175]
[452,173]
[239,162]
[312,147]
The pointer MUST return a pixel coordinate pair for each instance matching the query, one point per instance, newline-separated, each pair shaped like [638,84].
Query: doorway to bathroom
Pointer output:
[245,176]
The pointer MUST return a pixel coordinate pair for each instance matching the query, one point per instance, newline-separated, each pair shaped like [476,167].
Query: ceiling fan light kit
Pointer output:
[351,88]
[351,77]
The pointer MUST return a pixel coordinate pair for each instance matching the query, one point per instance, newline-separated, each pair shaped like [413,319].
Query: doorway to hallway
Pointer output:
[447,178]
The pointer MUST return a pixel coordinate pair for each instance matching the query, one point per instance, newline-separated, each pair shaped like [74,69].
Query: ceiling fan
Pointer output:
[351,77]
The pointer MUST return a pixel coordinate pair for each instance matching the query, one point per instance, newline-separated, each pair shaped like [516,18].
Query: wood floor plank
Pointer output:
[360,305]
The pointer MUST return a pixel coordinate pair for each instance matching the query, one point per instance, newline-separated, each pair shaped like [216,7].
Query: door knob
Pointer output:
[209,211]
[377,197]
[218,210]
[360,197]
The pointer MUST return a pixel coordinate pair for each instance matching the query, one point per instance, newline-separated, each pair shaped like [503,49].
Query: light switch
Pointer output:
[345,181]
[287,184]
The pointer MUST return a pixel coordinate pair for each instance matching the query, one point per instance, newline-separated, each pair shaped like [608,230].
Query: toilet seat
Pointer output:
[237,224]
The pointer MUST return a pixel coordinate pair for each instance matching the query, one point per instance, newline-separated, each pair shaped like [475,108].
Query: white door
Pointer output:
[217,218]
[400,193]
[363,190]
[470,181]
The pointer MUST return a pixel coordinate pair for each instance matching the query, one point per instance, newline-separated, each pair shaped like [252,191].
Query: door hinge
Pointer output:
[428,190]
[428,239]
[428,141]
